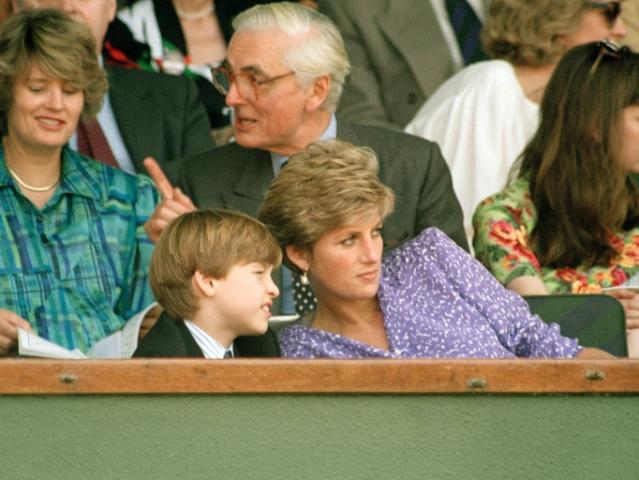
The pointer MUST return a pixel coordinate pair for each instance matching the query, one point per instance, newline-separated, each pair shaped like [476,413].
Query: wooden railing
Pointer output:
[280,376]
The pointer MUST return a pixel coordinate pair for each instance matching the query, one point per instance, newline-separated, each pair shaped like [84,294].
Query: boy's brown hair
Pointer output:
[211,242]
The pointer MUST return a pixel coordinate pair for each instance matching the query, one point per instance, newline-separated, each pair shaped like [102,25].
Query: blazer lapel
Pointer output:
[190,345]
[411,25]
[253,182]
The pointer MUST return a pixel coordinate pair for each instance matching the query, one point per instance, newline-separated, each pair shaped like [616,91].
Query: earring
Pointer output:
[304,277]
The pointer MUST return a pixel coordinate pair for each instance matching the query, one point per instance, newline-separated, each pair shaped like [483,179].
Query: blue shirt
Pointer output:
[77,269]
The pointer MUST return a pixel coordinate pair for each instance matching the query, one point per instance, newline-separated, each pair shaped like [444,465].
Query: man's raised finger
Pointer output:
[161,182]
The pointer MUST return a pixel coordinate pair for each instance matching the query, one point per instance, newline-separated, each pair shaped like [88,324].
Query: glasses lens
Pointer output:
[612,12]
[221,79]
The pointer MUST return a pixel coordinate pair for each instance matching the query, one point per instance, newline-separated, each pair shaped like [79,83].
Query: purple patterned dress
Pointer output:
[439,302]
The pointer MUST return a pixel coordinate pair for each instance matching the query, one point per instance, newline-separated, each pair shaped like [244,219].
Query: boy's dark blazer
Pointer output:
[172,338]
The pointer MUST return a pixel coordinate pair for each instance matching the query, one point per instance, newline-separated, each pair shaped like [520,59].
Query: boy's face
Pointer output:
[243,299]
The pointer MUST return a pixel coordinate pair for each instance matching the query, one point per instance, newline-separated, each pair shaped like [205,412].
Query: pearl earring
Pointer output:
[304,277]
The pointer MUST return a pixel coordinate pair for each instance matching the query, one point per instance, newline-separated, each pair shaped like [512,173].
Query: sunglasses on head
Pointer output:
[611,10]
[608,48]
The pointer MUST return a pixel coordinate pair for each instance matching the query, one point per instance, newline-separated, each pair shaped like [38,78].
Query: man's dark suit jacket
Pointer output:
[172,338]
[236,177]
[158,115]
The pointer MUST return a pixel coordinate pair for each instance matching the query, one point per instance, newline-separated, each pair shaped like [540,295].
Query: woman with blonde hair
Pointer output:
[428,298]
[74,253]
[483,116]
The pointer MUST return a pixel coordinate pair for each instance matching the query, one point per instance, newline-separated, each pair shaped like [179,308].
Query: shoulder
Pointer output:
[104,182]
[480,80]
[482,74]
[258,346]
[515,196]
[163,340]
[430,243]
[384,140]
[223,155]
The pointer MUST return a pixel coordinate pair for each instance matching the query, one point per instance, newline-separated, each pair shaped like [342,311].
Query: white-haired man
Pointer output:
[283,76]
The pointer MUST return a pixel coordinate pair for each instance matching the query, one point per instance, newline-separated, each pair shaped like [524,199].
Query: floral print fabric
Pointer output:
[503,223]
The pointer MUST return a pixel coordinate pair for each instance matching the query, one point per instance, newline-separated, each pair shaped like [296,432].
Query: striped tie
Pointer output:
[466,26]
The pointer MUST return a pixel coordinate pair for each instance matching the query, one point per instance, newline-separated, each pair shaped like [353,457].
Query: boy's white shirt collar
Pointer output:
[210,347]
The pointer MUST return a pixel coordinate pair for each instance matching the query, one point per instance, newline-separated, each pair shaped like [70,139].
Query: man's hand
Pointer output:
[9,323]
[174,203]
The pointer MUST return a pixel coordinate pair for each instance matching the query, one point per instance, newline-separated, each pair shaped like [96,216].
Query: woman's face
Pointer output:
[595,26]
[45,110]
[345,263]
[629,155]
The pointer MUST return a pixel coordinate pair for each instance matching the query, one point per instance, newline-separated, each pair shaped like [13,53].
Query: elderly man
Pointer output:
[144,113]
[283,76]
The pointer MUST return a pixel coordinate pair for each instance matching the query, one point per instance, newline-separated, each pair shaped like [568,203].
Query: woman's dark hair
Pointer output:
[580,190]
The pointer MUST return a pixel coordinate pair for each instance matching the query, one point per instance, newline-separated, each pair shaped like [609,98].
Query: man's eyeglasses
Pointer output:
[611,10]
[247,83]
[610,49]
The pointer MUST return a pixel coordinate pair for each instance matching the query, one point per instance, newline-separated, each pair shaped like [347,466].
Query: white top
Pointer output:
[210,347]
[482,120]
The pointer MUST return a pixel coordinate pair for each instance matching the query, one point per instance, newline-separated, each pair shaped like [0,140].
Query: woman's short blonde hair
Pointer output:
[323,188]
[60,46]
[529,32]
[211,242]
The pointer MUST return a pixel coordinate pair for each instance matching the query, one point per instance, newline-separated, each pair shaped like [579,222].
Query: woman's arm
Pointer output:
[527,285]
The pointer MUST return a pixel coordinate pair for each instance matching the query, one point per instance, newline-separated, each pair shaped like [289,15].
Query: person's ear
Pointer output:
[205,284]
[298,257]
[318,92]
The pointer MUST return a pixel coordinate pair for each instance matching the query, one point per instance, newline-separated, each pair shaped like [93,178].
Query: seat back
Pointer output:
[597,320]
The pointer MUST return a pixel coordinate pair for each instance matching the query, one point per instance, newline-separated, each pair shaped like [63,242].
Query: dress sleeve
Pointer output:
[517,329]
[502,223]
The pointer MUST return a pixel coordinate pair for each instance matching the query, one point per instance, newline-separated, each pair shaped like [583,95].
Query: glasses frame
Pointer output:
[608,48]
[232,77]
[612,10]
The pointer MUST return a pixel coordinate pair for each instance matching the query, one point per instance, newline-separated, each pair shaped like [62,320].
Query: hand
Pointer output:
[630,301]
[594,354]
[174,203]
[149,321]
[9,322]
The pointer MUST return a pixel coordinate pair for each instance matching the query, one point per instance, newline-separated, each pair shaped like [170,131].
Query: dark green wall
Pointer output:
[319,436]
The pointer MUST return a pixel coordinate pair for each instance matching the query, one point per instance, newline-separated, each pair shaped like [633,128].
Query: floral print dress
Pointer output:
[503,223]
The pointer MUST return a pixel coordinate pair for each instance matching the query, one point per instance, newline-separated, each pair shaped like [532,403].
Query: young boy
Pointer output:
[211,272]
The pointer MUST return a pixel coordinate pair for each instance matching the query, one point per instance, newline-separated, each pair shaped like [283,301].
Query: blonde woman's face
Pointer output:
[345,263]
[594,26]
[44,112]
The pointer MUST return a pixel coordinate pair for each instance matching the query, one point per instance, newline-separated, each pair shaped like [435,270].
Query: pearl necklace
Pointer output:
[31,188]
[191,16]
